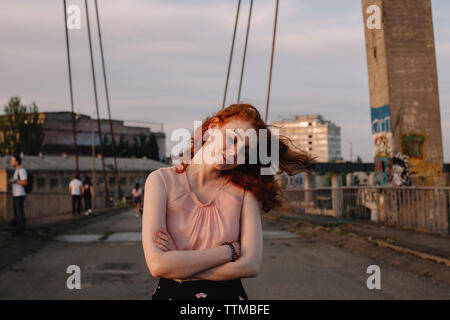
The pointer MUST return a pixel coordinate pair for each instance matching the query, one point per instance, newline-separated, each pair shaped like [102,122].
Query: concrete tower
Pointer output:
[404,98]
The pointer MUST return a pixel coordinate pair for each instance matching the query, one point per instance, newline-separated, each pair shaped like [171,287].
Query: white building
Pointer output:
[313,134]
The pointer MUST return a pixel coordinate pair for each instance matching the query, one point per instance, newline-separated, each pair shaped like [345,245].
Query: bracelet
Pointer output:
[233,251]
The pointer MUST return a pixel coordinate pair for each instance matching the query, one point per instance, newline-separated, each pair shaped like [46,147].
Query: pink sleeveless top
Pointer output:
[194,225]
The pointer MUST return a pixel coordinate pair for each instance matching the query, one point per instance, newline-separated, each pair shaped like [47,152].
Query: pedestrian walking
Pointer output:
[205,211]
[19,182]
[88,195]
[136,194]
[75,189]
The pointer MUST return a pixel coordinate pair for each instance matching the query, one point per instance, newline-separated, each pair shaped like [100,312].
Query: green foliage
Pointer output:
[123,204]
[141,146]
[107,146]
[124,147]
[153,148]
[327,181]
[21,129]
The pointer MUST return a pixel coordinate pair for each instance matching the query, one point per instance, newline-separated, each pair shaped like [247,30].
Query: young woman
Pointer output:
[137,193]
[201,228]
[88,194]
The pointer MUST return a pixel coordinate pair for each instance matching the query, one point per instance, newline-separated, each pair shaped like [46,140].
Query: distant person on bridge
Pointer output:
[201,229]
[18,182]
[137,194]
[88,194]
[75,189]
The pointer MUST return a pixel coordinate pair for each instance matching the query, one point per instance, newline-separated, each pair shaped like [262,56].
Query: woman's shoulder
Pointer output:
[169,177]
[234,190]
[164,172]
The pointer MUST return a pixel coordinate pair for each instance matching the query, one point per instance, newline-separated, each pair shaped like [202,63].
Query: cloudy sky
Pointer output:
[166,61]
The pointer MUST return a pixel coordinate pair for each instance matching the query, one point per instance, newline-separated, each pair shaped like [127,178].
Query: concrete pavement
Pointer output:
[295,266]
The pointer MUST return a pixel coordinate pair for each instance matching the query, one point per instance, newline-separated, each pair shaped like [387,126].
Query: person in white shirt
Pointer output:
[75,189]
[137,199]
[19,182]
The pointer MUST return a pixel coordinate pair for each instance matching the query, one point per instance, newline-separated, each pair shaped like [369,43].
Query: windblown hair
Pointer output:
[266,188]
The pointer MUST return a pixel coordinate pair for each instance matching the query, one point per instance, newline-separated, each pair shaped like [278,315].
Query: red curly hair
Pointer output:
[266,188]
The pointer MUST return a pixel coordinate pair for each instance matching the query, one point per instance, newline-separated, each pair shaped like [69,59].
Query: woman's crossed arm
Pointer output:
[251,245]
[248,264]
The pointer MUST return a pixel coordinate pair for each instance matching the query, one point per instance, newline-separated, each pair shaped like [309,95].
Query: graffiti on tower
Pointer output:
[382,141]
[412,145]
[400,170]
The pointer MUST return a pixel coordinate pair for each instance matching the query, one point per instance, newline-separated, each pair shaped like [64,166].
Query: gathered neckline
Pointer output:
[194,196]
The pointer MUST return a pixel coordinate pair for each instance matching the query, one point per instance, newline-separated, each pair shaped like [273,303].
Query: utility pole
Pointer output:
[113,142]
[351,152]
[271,60]
[94,180]
[105,182]
[74,132]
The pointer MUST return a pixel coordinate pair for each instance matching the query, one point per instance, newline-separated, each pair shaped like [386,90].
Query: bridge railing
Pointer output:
[42,205]
[422,208]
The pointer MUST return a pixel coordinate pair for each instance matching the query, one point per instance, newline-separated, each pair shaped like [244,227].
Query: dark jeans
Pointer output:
[76,202]
[19,214]
[87,201]
[168,289]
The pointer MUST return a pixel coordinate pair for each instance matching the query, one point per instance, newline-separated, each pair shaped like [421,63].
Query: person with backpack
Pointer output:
[19,183]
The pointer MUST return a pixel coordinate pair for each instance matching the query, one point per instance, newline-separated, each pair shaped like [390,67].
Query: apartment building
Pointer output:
[313,134]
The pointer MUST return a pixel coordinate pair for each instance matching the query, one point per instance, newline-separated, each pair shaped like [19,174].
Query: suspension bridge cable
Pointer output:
[74,132]
[245,50]
[105,181]
[113,143]
[231,53]
[271,60]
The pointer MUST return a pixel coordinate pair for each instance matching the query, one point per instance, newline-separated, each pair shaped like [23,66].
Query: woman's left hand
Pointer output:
[164,241]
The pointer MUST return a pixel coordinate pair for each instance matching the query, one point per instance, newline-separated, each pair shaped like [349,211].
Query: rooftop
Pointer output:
[60,163]
[306,118]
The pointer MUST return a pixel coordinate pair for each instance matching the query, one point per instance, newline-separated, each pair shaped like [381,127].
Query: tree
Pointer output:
[107,146]
[359,160]
[153,147]
[327,179]
[21,129]
[328,176]
[145,146]
[124,148]
[141,146]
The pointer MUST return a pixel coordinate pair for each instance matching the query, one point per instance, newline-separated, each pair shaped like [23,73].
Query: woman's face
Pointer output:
[235,139]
